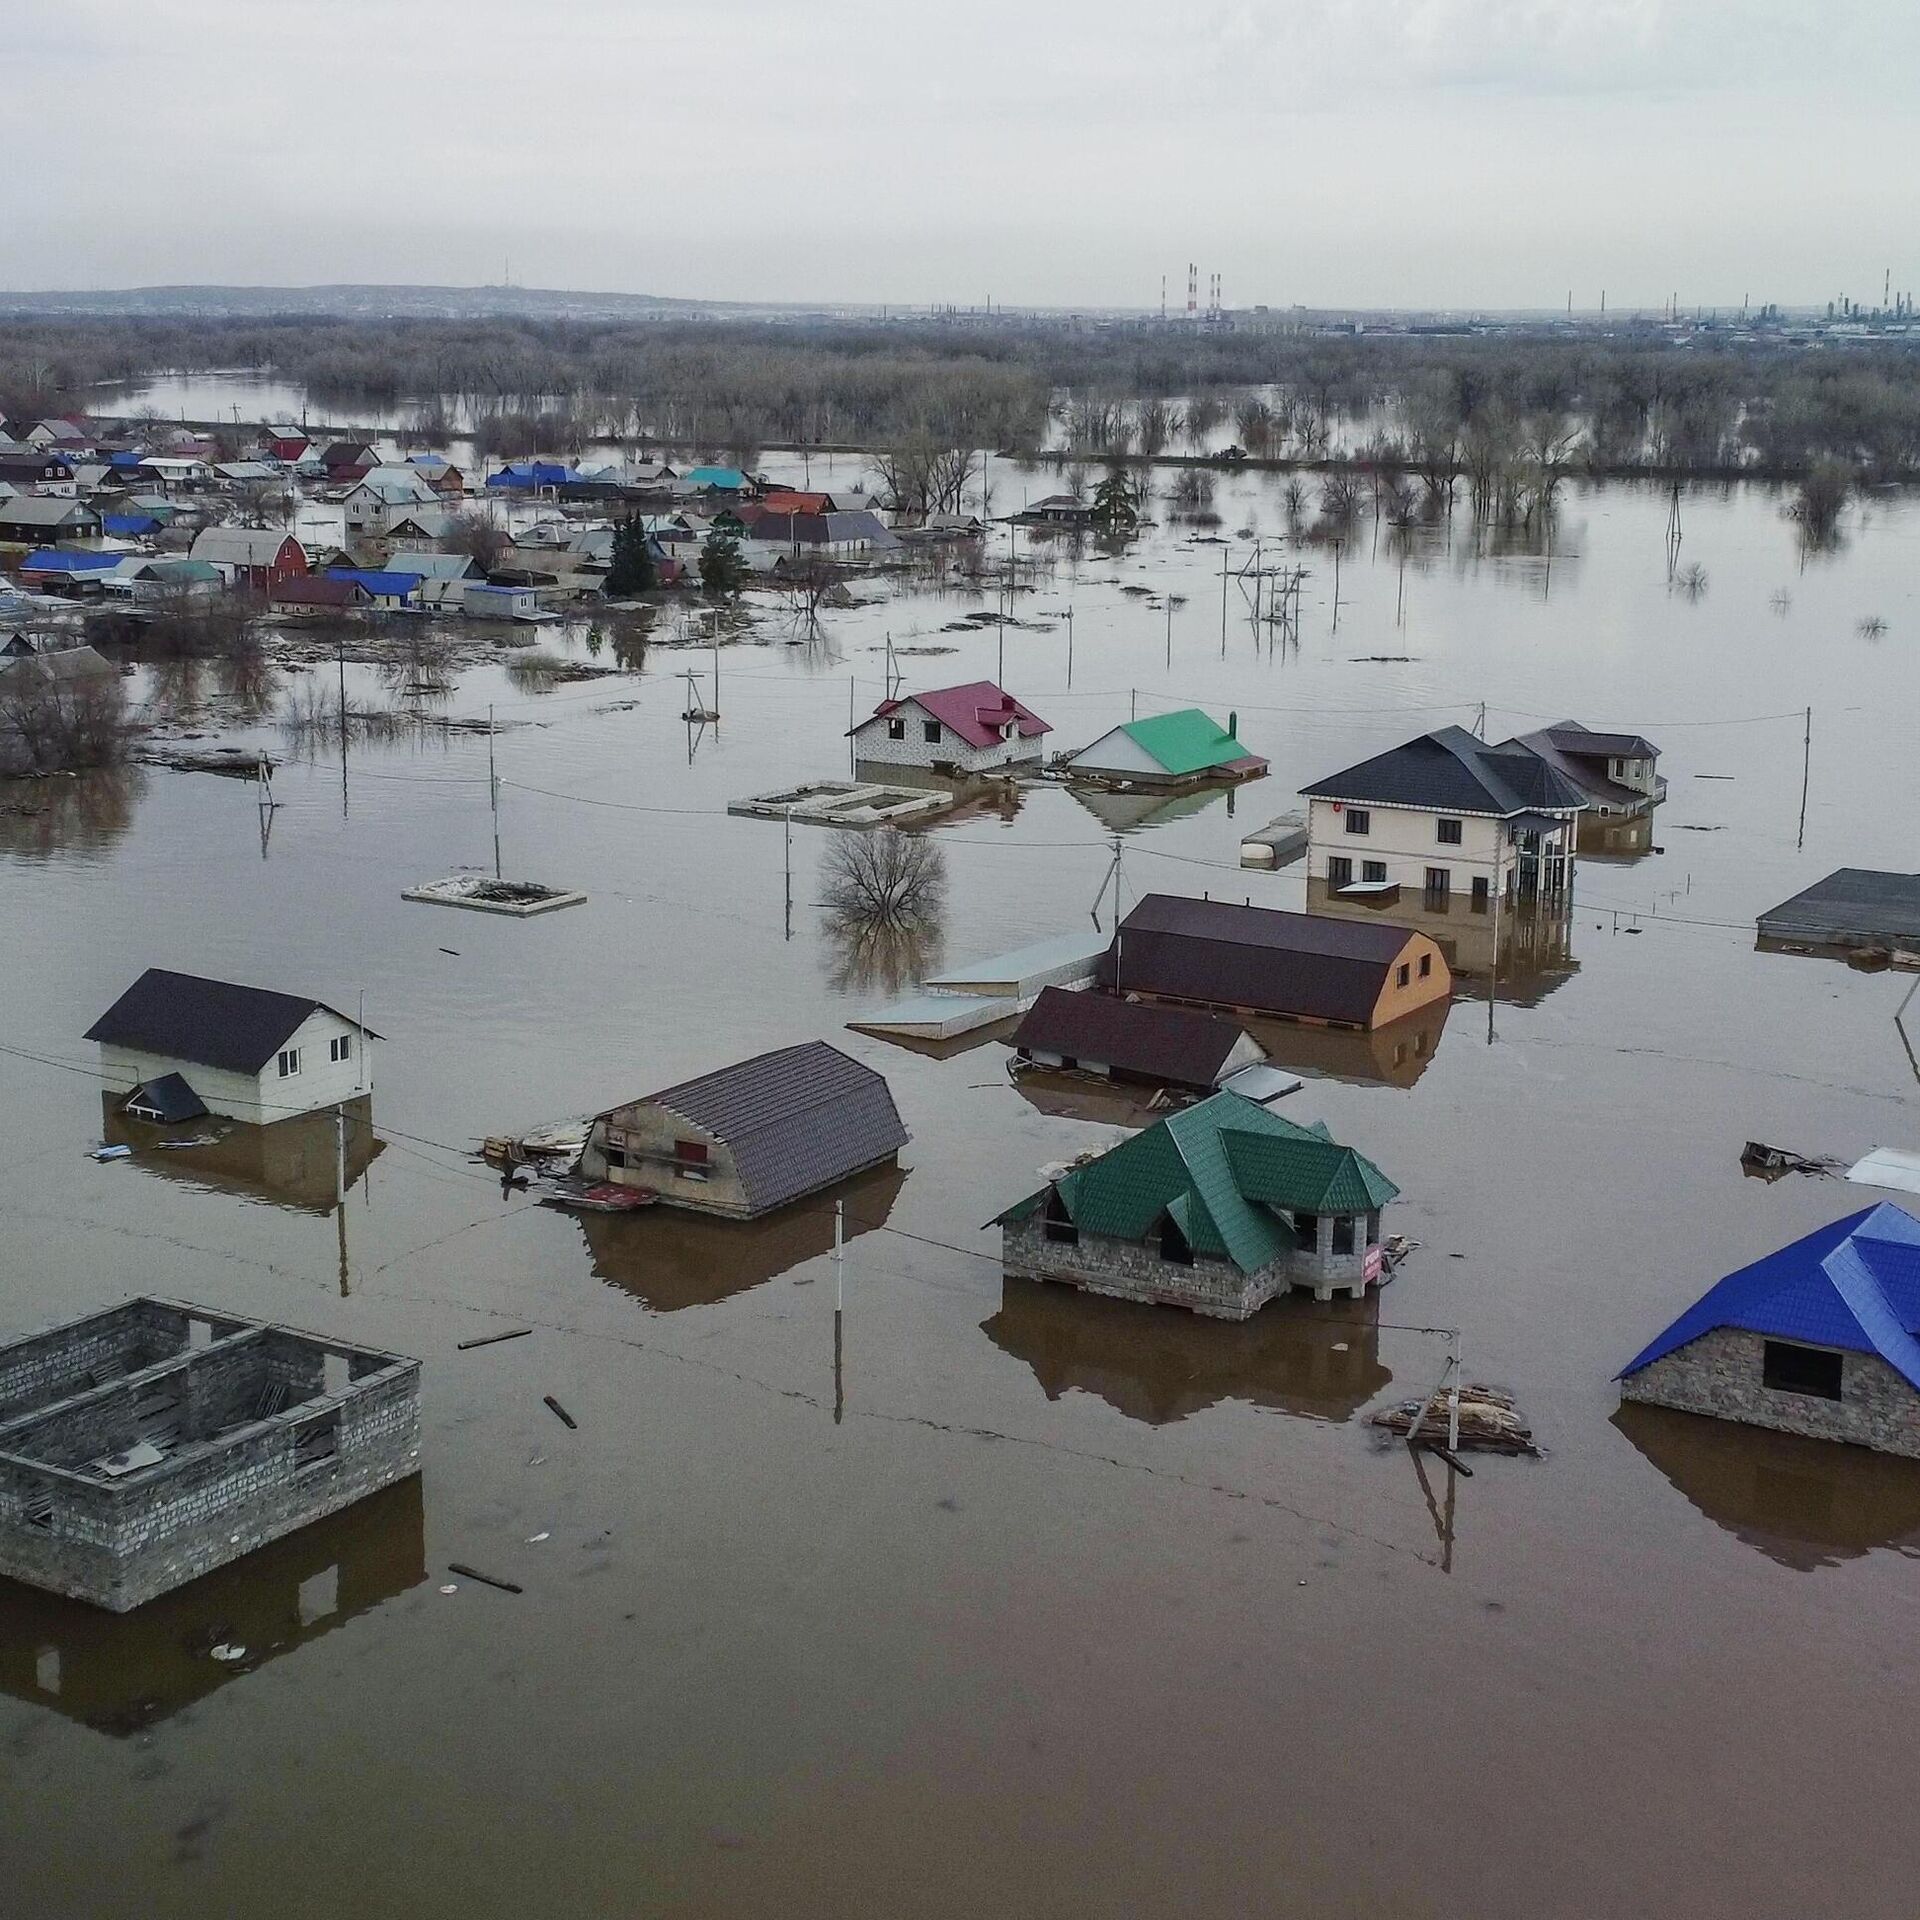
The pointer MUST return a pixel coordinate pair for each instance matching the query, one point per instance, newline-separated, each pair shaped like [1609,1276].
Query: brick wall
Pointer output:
[1132,1270]
[1721,1374]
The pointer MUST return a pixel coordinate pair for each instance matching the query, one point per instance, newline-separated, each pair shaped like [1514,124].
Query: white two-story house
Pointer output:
[1446,814]
[177,1046]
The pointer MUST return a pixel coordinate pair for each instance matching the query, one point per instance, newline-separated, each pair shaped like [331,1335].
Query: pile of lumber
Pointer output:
[1488,1420]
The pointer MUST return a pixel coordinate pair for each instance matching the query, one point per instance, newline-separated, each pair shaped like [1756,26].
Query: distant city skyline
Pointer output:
[1404,154]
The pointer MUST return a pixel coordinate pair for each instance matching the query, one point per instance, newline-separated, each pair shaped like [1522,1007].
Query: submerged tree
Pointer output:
[885,878]
[477,534]
[1821,500]
[1116,502]
[632,570]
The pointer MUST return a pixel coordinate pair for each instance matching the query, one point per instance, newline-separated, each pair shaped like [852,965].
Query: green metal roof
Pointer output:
[1308,1176]
[1219,1168]
[1186,742]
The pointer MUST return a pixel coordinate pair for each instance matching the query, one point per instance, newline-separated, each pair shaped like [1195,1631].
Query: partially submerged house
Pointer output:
[1056,510]
[1853,907]
[315,595]
[1817,1339]
[245,1052]
[752,1137]
[1128,1040]
[1260,961]
[147,1445]
[1618,774]
[42,519]
[1216,1209]
[1446,813]
[1169,750]
[259,558]
[976,728]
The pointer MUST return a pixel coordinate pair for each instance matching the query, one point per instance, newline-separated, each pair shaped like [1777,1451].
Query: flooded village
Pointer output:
[729,1194]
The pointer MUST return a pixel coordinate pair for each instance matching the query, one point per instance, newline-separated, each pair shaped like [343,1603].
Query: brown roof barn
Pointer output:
[1164,1046]
[1289,966]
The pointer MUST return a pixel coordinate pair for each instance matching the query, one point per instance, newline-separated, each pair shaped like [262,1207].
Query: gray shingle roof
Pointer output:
[1450,771]
[797,1119]
[1851,903]
[211,1023]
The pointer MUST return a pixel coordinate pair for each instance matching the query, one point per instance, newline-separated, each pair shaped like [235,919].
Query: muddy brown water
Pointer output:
[1047,1605]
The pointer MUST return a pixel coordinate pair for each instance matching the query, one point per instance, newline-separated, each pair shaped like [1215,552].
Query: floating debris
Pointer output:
[485,1579]
[520,898]
[1489,1421]
[561,1414]
[493,1339]
[1758,1161]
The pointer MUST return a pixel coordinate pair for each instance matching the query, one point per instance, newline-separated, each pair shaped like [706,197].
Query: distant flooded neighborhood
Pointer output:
[808,1098]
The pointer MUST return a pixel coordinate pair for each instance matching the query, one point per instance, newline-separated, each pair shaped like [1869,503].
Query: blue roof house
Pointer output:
[388,588]
[1817,1339]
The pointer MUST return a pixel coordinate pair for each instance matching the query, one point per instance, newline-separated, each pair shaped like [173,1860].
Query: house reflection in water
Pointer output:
[1120,812]
[122,1672]
[1804,1503]
[1313,1359]
[1536,936]
[86,814]
[292,1163]
[669,1259]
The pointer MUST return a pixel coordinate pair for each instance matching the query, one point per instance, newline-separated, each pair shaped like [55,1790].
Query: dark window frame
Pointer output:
[1359,820]
[1448,832]
[1814,1373]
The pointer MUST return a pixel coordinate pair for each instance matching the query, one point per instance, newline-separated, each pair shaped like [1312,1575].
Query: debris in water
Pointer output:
[1758,1161]
[493,1339]
[113,1153]
[485,1579]
[560,1412]
[1488,1419]
[521,898]
[228,1651]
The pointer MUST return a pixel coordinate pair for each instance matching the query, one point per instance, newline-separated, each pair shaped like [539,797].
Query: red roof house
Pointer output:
[976,728]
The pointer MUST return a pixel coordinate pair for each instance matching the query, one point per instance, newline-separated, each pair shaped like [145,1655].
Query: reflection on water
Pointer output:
[292,1163]
[1618,842]
[1535,938]
[1316,1360]
[68,815]
[862,956]
[669,1259]
[120,1673]
[1129,812]
[1392,1056]
[1803,1503]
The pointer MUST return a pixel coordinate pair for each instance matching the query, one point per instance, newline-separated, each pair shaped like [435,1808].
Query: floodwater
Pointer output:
[1040,1605]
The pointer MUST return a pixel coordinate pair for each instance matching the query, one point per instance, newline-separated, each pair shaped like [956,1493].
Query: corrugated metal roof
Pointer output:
[797,1119]
[213,1023]
[1311,1176]
[383,585]
[240,546]
[1852,903]
[1182,1166]
[1854,1284]
[1187,741]
[69,560]
[42,510]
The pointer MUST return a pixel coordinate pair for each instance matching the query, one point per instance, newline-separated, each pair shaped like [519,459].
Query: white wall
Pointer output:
[871,743]
[1408,841]
[263,1099]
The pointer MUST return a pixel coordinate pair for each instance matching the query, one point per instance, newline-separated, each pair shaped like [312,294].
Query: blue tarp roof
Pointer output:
[533,473]
[125,459]
[384,585]
[128,525]
[1853,1285]
[730,478]
[64,560]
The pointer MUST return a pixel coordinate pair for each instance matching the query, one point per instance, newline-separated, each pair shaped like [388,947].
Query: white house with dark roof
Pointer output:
[245,1052]
[1446,813]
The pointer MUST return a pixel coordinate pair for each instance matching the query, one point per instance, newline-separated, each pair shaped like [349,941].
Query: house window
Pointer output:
[289,1062]
[896,729]
[1175,1248]
[1343,1233]
[1374,872]
[1359,820]
[616,1157]
[1439,881]
[1306,1230]
[1339,870]
[690,1159]
[931,728]
[1481,893]
[1403,975]
[1786,1367]
[1448,832]
[1426,965]
[340,1048]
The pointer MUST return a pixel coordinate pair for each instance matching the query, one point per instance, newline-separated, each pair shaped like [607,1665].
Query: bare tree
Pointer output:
[885,878]
[474,532]
[53,720]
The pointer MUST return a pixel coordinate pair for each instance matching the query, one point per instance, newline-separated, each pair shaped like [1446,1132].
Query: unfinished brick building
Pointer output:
[146,1445]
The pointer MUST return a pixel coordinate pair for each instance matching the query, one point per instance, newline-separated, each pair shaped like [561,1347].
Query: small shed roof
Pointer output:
[1187,742]
[382,583]
[214,1023]
[319,590]
[1854,1284]
[796,1119]
[1172,1044]
[168,1099]
[70,560]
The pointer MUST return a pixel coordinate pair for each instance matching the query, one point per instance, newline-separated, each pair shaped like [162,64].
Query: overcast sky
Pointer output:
[1401,153]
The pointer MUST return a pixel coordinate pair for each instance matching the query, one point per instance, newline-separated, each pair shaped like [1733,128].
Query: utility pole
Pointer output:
[789,821]
[1806,776]
[1133,703]
[343,727]
[1069,645]
[493,791]
[1223,602]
